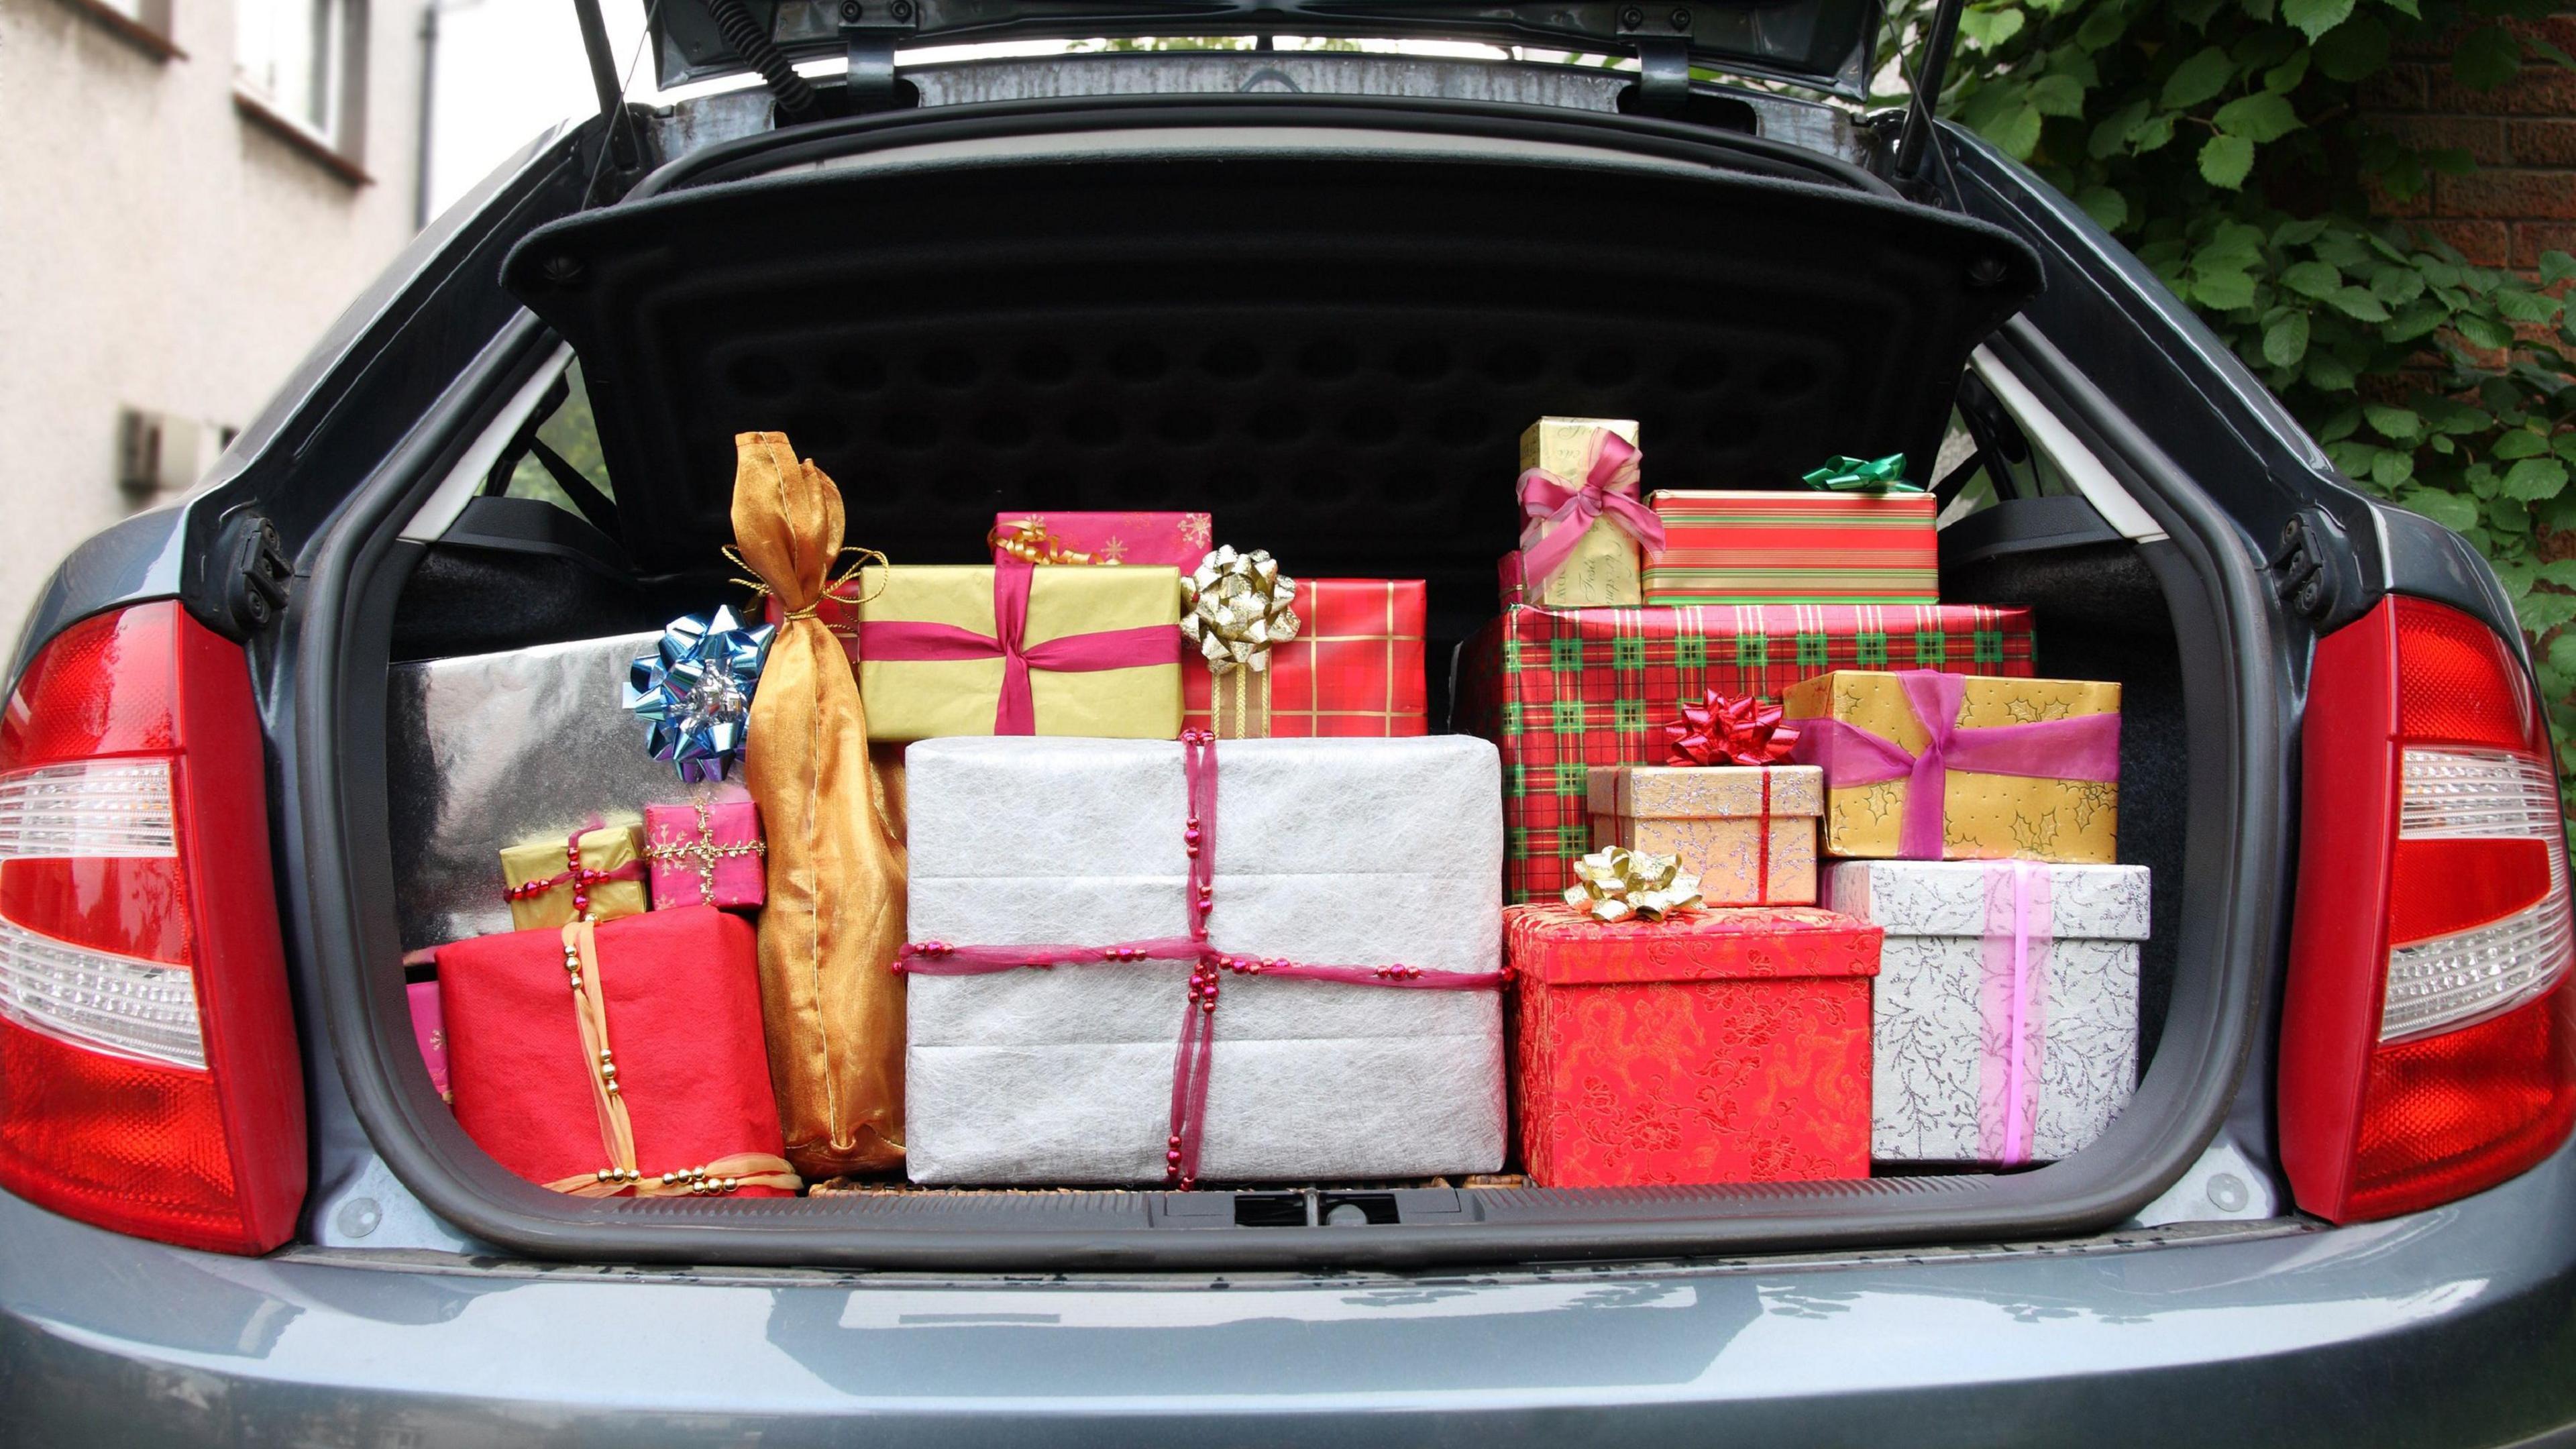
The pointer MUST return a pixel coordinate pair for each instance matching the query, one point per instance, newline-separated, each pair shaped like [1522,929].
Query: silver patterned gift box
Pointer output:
[488,750]
[1327,851]
[2005,1016]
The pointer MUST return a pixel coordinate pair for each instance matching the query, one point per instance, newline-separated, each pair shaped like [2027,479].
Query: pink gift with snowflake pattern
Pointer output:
[1177,539]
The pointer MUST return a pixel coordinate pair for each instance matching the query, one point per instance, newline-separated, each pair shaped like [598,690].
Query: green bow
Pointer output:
[1855,475]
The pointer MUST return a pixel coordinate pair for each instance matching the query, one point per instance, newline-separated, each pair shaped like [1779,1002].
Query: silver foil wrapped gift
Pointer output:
[488,750]
[1354,852]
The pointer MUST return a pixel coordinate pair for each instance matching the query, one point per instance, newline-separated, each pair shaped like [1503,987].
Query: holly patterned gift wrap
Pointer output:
[2006,1019]
[1562,690]
[1710,1046]
[1923,766]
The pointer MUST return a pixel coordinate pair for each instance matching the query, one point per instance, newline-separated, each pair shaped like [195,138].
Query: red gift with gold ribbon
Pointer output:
[1710,1046]
[1354,669]
[623,1057]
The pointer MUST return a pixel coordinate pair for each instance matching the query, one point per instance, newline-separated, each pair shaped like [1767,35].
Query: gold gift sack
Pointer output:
[1747,831]
[1013,649]
[1578,491]
[597,873]
[830,1003]
[1921,765]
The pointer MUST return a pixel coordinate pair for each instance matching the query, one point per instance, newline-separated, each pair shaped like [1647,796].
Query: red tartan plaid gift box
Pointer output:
[1354,669]
[1562,690]
[1711,1046]
[648,1076]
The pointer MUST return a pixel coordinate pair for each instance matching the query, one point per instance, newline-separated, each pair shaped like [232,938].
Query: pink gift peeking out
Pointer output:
[431,1030]
[706,853]
[1047,536]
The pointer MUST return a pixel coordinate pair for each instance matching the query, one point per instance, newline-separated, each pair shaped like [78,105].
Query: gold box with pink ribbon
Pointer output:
[1584,521]
[1921,765]
[1012,649]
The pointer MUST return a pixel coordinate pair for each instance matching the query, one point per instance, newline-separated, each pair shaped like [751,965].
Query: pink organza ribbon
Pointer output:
[1562,510]
[2012,1008]
[2086,747]
[1015,712]
[1194,1057]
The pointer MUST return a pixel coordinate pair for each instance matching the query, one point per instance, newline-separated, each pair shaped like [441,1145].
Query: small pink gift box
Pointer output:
[706,853]
[431,1029]
[1177,539]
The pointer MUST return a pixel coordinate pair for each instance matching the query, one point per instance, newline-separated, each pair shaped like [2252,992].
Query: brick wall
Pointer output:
[2521,201]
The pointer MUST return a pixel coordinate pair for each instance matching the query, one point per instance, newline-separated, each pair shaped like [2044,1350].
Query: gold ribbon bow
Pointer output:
[1235,606]
[1619,883]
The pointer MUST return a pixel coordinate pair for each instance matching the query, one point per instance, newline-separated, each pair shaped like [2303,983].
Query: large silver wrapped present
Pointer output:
[488,750]
[1328,852]
[2004,1023]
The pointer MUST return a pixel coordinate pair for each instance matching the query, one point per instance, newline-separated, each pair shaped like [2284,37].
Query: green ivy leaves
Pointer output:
[2439,385]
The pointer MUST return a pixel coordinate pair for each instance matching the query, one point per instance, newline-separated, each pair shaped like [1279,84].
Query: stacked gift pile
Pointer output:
[1700,695]
[1795,867]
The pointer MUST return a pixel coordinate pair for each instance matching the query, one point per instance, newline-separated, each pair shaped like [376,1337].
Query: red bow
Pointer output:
[1730,729]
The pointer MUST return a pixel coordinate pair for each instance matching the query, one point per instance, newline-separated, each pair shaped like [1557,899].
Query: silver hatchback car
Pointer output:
[1311,286]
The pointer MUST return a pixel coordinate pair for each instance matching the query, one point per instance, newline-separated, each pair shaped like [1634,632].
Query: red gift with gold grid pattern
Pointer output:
[1355,669]
[1561,690]
[1711,1046]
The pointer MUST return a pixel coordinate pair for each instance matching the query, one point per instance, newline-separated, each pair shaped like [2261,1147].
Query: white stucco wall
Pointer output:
[160,249]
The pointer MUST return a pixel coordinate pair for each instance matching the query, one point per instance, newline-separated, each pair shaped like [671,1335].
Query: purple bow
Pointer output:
[1564,510]
[2086,747]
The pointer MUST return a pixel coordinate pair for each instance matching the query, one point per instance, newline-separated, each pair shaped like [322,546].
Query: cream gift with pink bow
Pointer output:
[1584,519]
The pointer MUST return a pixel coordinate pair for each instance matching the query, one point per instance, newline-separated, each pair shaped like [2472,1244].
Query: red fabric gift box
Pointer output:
[681,998]
[1713,1046]
[1355,669]
[1561,690]
[705,853]
[1177,539]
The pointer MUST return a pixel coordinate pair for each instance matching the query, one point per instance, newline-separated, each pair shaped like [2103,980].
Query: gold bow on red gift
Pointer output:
[1618,884]
[1730,729]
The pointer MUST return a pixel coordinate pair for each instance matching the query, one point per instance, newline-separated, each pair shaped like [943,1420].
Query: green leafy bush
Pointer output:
[2230,144]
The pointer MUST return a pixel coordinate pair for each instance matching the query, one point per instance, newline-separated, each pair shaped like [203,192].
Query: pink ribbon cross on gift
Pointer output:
[1194,1059]
[1015,712]
[2086,747]
[1565,509]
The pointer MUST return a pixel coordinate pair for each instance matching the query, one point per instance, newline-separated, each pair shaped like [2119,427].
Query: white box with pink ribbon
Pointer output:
[1158,962]
[2004,1021]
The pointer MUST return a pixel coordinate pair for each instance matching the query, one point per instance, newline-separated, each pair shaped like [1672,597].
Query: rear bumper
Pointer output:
[2452,1327]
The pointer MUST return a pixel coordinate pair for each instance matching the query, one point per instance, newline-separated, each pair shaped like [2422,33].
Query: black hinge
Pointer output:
[256,573]
[870,32]
[1662,35]
[2308,568]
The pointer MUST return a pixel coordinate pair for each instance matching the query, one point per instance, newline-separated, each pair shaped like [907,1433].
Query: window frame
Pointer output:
[339,142]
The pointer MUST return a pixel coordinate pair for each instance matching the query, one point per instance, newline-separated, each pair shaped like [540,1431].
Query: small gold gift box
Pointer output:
[1604,569]
[544,878]
[1749,831]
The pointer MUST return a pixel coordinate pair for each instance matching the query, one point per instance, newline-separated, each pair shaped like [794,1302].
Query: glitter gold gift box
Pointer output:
[1927,766]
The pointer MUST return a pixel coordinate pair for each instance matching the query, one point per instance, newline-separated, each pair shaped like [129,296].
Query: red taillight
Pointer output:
[2428,1037]
[148,1073]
